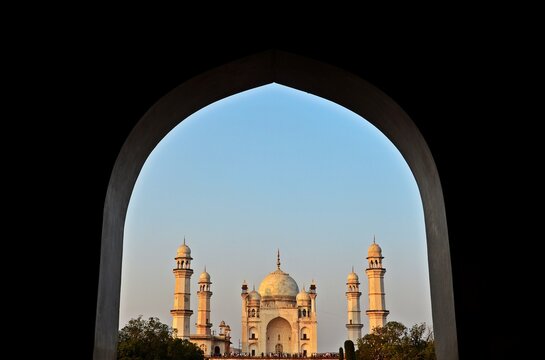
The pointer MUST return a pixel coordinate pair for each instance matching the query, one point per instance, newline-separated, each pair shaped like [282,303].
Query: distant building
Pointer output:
[353,295]
[375,274]
[377,304]
[209,343]
[279,318]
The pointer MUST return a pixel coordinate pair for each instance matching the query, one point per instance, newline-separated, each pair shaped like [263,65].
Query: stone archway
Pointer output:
[300,73]
[304,350]
[278,335]
[253,350]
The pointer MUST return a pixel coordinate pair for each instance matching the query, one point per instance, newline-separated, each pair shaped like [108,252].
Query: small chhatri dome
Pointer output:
[278,284]
[303,295]
[254,295]
[184,250]
[352,277]
[222,323]
[204,277]
[374,250]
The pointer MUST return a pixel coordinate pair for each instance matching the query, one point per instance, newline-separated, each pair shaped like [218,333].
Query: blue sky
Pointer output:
[273,168]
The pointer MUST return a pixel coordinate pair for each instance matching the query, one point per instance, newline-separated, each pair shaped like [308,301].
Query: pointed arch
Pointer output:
[300,73]
[278,332]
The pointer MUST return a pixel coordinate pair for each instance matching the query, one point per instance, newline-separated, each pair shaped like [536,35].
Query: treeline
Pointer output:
[394,341]
[152,340]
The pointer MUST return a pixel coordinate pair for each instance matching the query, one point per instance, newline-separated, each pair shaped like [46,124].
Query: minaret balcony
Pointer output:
[181,312]
[378,311]
[354,326]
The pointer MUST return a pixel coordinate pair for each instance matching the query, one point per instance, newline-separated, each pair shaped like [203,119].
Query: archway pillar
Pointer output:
[303,74]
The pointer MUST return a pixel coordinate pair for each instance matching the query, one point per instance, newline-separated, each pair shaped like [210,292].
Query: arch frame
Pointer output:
[301,73]
[271,343]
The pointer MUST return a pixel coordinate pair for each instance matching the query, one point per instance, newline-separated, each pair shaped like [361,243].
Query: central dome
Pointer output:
[278,284]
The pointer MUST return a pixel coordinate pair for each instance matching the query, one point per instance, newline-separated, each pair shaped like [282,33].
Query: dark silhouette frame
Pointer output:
[303,74]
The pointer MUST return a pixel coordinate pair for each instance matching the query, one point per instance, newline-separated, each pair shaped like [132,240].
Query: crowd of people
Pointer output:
[279,355]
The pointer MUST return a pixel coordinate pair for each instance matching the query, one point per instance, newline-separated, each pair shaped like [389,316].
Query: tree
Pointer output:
[341,353]
[152,340]
[184,350]
[395,342]
[349,350]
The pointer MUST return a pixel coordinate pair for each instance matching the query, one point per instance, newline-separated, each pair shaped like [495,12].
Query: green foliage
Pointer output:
[341,354]
[184,350]
[152,340]
[395,342]
[349,350]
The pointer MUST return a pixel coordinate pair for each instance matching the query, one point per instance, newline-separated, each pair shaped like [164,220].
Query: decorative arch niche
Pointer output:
[278,335]
[303,74]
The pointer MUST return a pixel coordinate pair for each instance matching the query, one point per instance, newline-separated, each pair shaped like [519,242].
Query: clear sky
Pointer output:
[273,168]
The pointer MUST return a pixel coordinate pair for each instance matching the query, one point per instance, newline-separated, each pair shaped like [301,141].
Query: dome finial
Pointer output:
[184,239]
[374,239]
[278,259]
[204,268]
[352,268]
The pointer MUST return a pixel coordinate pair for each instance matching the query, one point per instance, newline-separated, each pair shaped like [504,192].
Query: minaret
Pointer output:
[203,312]
[313,316]
[375,274]
[182,292]
[244,296]
[353,294]
[312,293]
